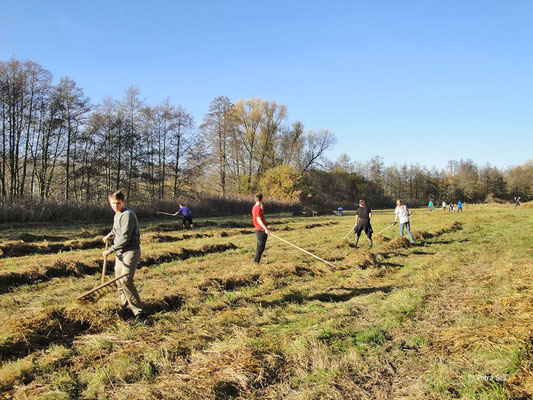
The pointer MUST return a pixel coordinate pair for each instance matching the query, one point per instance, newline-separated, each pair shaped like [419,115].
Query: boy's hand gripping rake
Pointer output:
[99,291]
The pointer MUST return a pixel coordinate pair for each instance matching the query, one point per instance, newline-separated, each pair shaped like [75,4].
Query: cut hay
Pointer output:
[398,242]
[360,258]
[378,239]
[344,244]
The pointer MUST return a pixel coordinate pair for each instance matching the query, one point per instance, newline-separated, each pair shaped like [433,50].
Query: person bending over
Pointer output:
[187,216]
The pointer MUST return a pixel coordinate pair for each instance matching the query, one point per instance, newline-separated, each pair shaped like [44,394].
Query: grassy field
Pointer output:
[448,317]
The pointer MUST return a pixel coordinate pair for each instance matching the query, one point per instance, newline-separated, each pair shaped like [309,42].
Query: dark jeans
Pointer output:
[187,219]
[261,237]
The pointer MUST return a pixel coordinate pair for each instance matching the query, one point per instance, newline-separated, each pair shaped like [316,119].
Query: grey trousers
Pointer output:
[126,262]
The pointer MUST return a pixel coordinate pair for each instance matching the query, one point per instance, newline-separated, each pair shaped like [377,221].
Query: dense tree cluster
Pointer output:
[56,145]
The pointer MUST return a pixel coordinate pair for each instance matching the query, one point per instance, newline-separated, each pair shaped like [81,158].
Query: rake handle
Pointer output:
[165,213]
[345,236]
[105,264]
[103,285]
[380,232]
[305,251]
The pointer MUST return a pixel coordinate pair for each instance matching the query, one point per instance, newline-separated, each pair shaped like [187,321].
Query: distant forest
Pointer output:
[58,146]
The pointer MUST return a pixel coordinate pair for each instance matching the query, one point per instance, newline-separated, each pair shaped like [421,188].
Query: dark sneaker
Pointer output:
[141,317]
[125,313]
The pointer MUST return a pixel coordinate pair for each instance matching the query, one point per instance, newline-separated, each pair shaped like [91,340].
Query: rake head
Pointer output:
[95,294]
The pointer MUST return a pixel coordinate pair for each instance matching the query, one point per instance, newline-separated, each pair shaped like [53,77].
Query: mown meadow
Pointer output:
[450,316]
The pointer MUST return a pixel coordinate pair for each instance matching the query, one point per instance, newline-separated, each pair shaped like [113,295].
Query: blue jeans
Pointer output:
[406,225]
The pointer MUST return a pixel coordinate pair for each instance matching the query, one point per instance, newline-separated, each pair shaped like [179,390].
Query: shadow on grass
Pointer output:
[169,303]
[448,241]
[329,297]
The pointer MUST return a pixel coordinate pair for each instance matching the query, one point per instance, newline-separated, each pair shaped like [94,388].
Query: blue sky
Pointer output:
[411,81]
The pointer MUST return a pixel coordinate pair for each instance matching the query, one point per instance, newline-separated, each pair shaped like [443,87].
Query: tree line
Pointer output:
[56,145]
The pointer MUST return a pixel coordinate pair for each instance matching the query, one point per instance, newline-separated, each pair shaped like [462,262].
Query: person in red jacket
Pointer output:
[260,227]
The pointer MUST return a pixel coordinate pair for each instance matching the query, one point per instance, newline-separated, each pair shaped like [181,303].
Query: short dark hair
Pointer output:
[117,195]
[258,197]
[362,202]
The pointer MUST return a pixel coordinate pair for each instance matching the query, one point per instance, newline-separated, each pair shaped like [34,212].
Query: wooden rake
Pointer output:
[103,288]
[345,236]
[305,251]
[380,232]
[165,213]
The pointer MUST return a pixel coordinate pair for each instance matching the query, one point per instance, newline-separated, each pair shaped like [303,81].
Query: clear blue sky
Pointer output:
[412,81]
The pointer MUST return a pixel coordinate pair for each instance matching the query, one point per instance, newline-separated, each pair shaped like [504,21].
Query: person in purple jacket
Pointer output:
[187,216]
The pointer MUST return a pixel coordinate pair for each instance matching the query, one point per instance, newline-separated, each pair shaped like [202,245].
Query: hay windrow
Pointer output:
[396,243]
[378,239]
[360,258]
[34,333]
[80,267]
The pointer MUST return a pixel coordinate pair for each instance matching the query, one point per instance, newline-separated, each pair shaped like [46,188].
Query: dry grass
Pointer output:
[393,321]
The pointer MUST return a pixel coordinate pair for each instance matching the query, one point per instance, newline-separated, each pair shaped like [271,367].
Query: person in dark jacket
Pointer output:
[126,245]
[362,222]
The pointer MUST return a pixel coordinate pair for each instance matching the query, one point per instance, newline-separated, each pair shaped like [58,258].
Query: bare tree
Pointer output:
[315,145]
[217,127]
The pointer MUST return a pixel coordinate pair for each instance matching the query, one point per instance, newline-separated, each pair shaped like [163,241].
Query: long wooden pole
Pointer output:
[97,288]
[165,213]
[345,236]
[105,264]
[380,232]
[305,251]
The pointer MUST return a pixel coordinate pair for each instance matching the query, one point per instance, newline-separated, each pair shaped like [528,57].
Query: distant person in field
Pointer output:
[451,206]
[402,212]
[362,223]
[430,205]
[126,244]
[459,206]
[443,206]
[187,216]
[516,202]
[260,227]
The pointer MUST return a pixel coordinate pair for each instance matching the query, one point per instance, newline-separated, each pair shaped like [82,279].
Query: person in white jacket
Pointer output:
[403,213]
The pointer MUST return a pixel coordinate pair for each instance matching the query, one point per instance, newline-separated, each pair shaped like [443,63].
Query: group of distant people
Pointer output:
[450,206]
